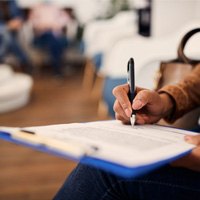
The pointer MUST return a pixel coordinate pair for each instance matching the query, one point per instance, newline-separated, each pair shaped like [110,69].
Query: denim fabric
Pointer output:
[54,46]
[15,48]
[166,183]
[14,11]
[4,40]
[9,44]
[97,60]
[81,46]
[9,39]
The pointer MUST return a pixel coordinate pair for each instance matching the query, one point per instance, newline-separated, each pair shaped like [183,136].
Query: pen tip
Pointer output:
[132,119]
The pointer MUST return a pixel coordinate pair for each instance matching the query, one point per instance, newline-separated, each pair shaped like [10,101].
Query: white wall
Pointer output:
[169,16]
[85,10]
[30,3]
[197,12]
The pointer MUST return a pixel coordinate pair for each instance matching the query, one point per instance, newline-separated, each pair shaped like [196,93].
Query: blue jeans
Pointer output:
[166,183]
[15,48]
[54,46]
[11,45]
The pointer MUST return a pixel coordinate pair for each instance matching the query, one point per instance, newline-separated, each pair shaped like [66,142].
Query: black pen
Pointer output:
[131,83]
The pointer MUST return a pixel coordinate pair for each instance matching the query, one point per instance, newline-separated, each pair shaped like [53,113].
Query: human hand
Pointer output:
[14,24]
[192,160]
[149,105]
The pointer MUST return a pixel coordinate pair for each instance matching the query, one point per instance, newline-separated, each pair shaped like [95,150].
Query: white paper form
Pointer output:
[122,144]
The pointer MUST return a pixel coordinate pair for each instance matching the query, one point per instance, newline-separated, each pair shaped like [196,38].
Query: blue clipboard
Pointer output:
[117,169]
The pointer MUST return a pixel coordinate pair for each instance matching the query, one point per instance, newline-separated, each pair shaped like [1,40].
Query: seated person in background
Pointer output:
[10,24]
[50,25]
[179,180]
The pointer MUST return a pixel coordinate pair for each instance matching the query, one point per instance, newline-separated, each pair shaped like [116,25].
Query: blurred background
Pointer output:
[60,60]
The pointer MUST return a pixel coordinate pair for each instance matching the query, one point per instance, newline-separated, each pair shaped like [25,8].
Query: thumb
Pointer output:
[142,98]
[193,139]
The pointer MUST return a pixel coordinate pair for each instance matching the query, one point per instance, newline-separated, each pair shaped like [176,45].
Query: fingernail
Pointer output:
[188,139]
[128,112]
[137,104]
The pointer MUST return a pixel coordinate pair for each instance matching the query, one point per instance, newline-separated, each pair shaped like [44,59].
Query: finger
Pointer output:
[120,92]
[119,110]
[195,139]
[138,89]
[123,120]
[182,162]
[190,161]
[145,118]
[142,119]
[137,103]
[142,98]
[149,119]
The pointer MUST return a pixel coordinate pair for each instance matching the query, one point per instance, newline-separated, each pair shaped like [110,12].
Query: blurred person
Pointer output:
[178,180]
[49,24]
[10,23]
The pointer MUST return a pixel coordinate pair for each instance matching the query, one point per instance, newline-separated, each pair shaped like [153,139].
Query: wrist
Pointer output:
[168,104]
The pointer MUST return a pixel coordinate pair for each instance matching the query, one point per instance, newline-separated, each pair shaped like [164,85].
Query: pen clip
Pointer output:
[131,79]
[128,72]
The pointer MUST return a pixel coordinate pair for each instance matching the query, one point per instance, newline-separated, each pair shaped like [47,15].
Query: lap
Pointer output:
[166,183]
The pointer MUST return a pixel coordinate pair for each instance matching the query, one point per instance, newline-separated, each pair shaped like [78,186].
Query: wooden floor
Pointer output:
[31,175]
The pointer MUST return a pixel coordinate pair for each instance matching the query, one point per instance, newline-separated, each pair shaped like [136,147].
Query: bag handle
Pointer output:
[181,56]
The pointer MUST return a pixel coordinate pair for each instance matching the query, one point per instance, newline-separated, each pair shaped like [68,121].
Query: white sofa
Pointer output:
[15,89]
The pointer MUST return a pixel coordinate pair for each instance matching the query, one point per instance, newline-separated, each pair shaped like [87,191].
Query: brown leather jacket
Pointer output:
[186,94]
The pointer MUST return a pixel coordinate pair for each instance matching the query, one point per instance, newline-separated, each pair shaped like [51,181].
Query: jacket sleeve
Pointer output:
[15,11]
[186,94]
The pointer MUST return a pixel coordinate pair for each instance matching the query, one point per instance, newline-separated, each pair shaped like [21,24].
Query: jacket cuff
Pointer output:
[180,99]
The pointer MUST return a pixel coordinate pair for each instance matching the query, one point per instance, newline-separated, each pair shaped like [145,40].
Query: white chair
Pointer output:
[100,36]
[15,89]
[145,51]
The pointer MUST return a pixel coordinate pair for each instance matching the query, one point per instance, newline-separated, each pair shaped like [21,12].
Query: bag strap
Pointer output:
[181,56]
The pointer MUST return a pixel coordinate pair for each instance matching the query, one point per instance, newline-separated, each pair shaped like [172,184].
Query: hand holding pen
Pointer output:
[125,95]
[139,105]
